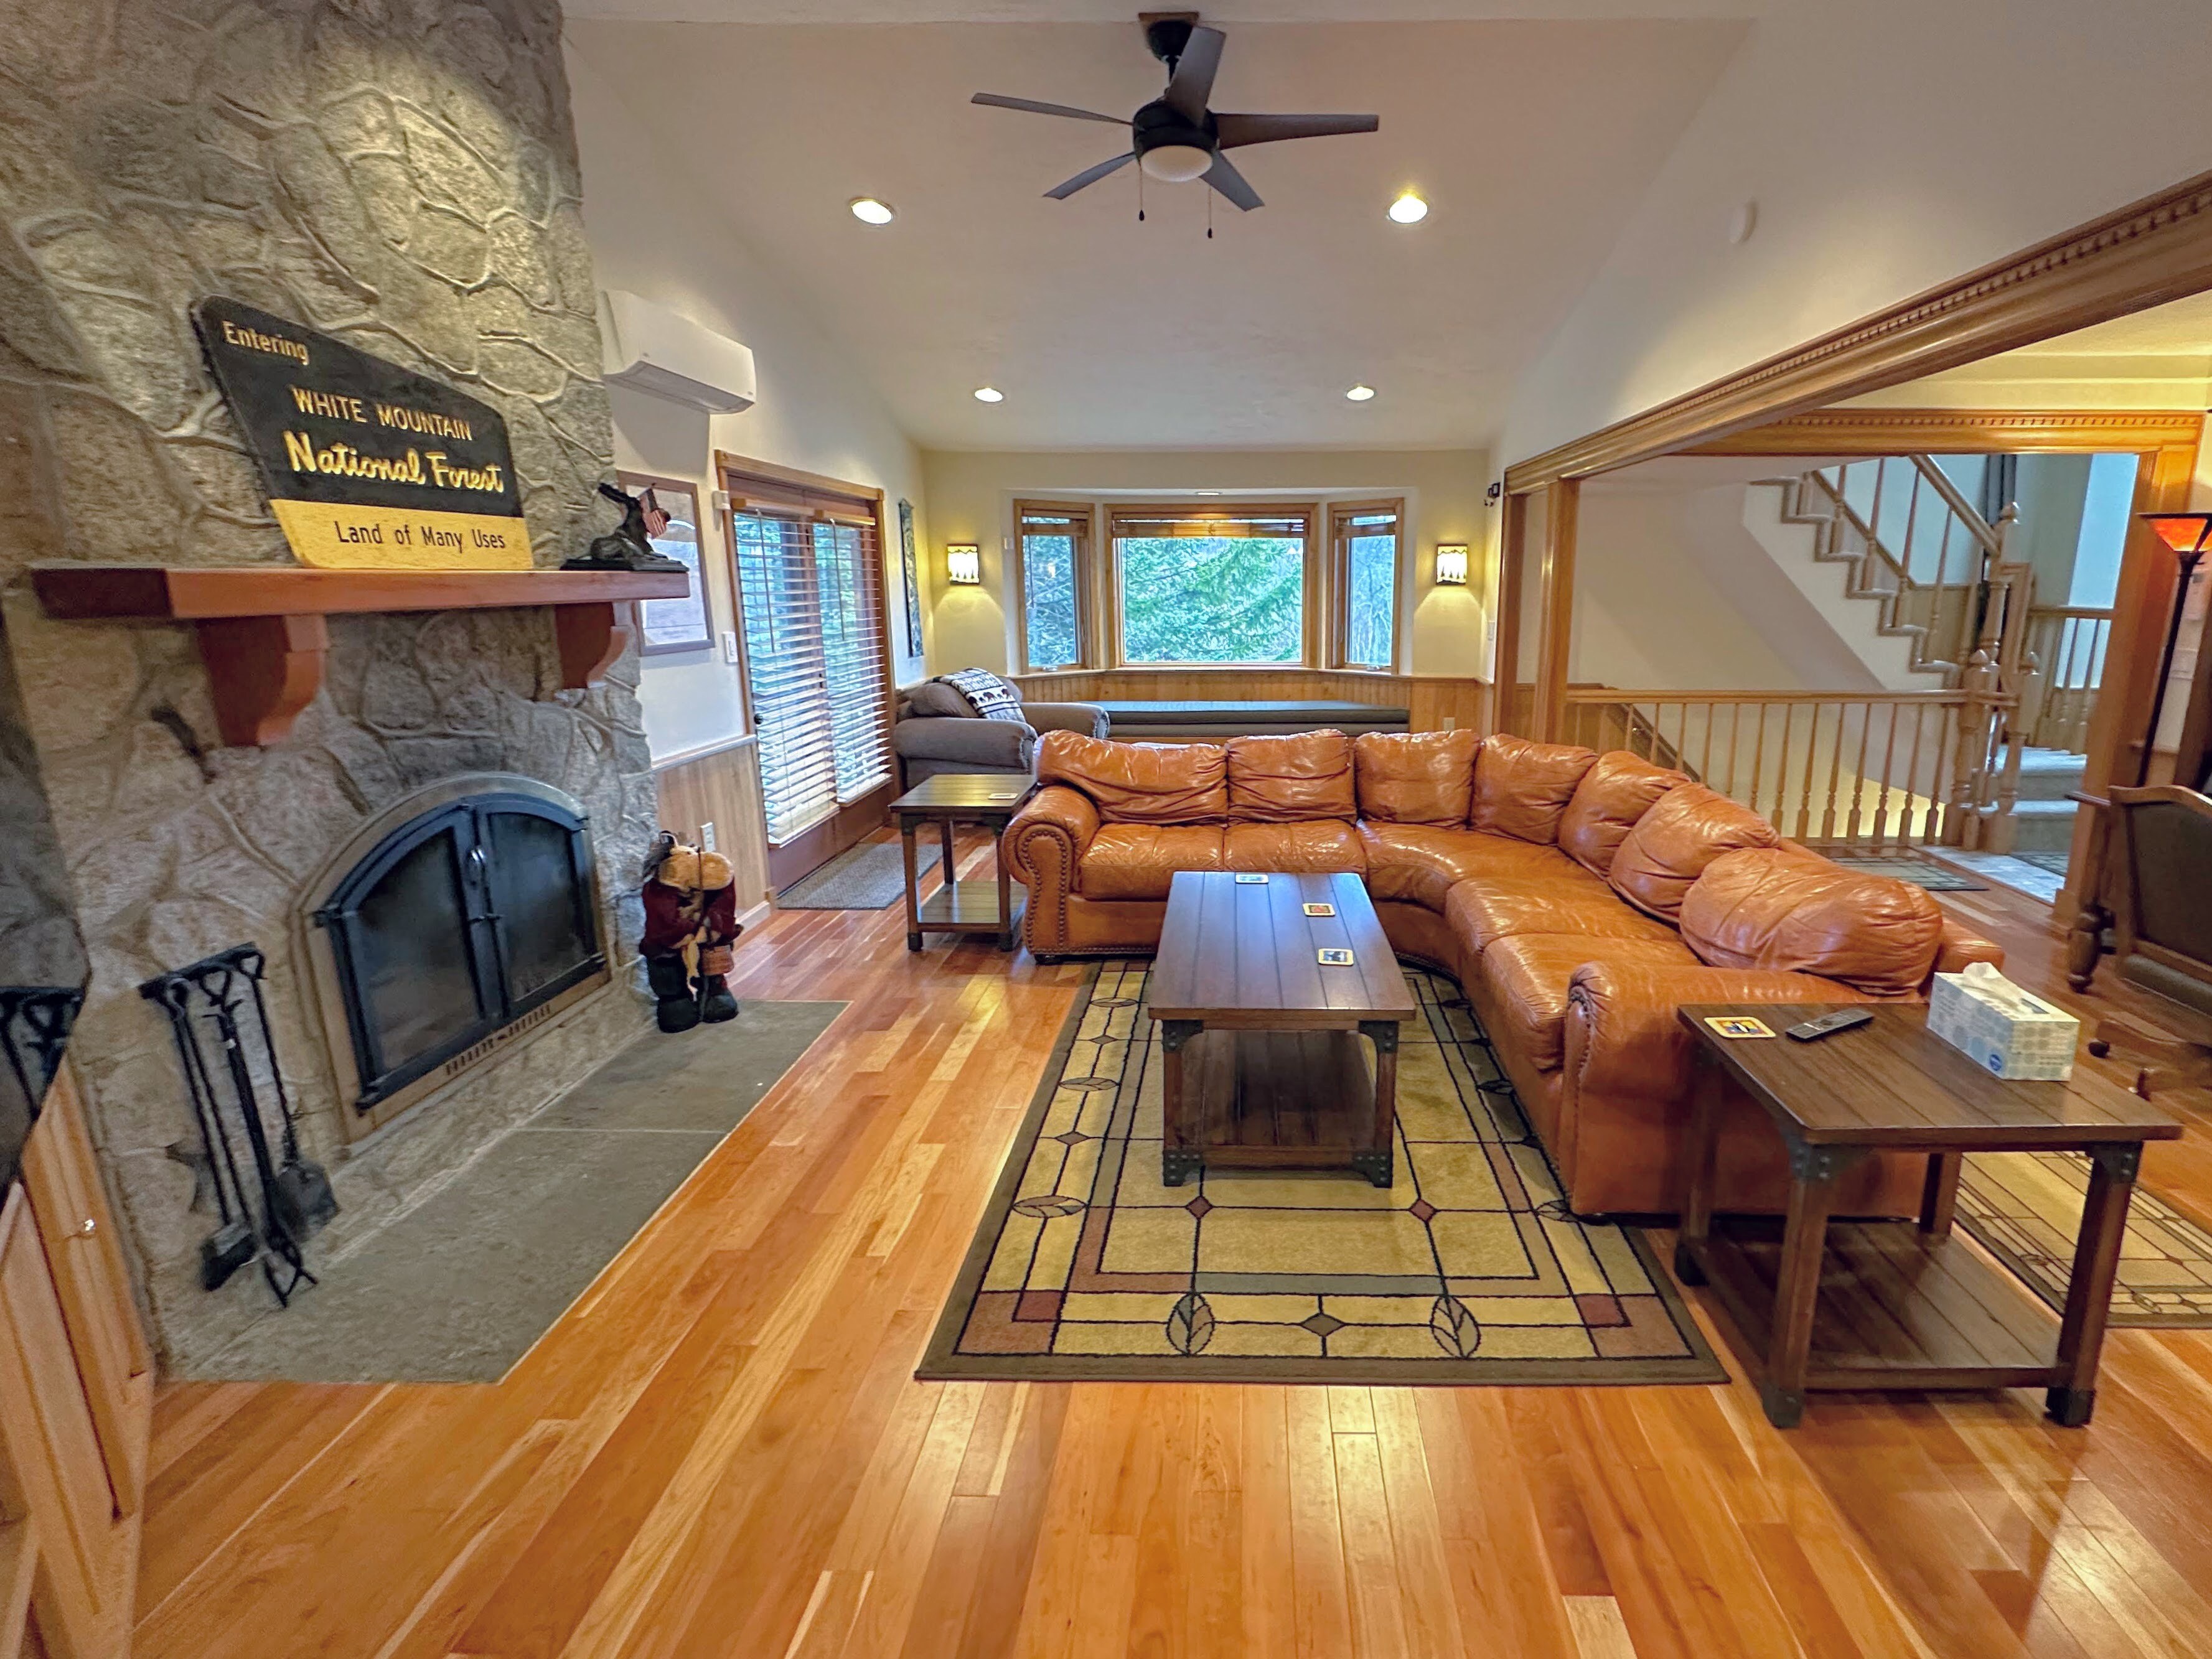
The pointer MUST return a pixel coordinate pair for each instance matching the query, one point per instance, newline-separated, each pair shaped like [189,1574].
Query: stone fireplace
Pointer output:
[400,174]
[457,921]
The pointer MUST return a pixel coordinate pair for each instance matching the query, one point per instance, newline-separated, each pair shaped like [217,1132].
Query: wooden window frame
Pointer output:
[1312,596]
[1087,613]
[746,482]
[702,510]
[1337,586]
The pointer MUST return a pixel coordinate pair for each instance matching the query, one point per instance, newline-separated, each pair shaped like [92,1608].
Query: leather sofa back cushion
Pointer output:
[1140,782]
[1686,829]
[1291,780]
[1415,777]
[1613,795]
[1797,912]
[1521,788]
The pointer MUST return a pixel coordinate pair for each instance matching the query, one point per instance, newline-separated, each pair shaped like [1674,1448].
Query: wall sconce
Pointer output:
[963,563]
[1452,564]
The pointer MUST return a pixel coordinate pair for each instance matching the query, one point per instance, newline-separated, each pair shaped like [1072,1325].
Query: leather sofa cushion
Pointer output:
[1321,844]
[1483,912]
[1416,777]
[1772,908]
[1613,795]
[1528,976]
[1671,845]
[1140,782]
[1521,788]
[1138,860]
[1421,864]
[1292,780]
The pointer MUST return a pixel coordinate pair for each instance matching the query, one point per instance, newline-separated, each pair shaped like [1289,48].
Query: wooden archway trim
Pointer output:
[1964,432]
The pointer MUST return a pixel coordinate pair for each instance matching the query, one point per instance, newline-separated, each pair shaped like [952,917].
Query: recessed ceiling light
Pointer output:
[1408,209]
[869,211]
[989,394]
[1360,394]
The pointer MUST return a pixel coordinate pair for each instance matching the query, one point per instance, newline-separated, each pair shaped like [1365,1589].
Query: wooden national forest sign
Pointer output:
[368,466]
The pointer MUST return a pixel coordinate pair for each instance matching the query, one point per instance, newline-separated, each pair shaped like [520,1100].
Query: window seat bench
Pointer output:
[1212,722]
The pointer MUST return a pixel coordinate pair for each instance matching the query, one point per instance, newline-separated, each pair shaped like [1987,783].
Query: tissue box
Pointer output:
[2001,1028]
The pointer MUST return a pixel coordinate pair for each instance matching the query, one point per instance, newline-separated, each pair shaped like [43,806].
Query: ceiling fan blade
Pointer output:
[1088,176]
[999,100]
[1191,83]
[1235,129]
[1230,183]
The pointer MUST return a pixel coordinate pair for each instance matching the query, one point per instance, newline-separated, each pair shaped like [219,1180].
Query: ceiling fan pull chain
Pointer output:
[1140,195]
[1209,216]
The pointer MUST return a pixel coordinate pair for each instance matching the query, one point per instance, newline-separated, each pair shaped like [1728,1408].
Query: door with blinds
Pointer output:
[817,663]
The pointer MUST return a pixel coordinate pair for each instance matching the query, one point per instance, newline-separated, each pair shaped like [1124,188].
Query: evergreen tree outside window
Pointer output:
[1365,540]
[1211,586]
[1053,545]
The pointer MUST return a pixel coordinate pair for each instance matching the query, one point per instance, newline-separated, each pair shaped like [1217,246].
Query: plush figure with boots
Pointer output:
[690,923]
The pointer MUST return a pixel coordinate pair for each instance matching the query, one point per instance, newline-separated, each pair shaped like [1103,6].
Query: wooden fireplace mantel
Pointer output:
[262,632]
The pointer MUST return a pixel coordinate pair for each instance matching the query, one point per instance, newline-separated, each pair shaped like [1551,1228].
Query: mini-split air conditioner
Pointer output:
[652,349]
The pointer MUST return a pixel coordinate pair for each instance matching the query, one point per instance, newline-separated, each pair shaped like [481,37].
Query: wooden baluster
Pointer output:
[1759,761]
[1888,780]
[1858,773]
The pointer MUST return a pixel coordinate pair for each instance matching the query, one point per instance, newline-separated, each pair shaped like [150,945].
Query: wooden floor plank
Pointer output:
[721,1448]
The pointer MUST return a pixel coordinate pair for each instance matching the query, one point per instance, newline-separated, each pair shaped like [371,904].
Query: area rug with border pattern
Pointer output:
[1468,1270]
[2025,1208]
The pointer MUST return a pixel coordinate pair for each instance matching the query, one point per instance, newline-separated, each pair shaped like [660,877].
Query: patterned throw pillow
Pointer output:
[986,694]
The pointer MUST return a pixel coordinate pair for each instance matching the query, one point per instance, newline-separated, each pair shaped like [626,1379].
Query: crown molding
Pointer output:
[2144,254]
[1962,431]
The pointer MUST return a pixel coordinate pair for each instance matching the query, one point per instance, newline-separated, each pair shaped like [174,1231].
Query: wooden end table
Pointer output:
[1881,1304]
[1263,1067]
[962,907]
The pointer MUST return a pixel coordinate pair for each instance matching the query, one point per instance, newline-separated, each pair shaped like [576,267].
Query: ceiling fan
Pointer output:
[1175,137]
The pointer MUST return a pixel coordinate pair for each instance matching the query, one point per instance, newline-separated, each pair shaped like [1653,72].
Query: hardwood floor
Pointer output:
[721,1450]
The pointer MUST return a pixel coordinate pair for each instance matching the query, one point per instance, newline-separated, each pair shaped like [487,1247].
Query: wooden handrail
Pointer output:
[1961,510]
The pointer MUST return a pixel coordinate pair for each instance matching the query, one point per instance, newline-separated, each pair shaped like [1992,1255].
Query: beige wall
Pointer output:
[1891,145]
[971,496]
[652,234]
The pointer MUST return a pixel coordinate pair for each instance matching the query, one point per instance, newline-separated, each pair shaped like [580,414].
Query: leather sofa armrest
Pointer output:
[1960,946]
[1622,1032]
[1049,834]
[1006,744]
[1088,718]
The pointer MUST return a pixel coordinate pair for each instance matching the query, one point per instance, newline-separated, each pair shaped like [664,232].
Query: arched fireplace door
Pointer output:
[436,938]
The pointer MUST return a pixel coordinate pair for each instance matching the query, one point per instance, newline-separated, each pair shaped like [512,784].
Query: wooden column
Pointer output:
[1512,563]
[1555,629]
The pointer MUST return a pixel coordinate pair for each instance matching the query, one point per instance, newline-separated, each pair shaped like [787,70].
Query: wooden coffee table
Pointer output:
[1264,1068]
[960,906]
[1900,1306]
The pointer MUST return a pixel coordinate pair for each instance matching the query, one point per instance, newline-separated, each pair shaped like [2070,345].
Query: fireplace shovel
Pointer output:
[299,1192]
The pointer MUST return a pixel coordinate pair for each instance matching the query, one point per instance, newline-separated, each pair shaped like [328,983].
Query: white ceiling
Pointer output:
[1532,139]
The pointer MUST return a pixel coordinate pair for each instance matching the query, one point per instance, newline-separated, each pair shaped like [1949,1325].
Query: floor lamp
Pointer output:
[2186,533]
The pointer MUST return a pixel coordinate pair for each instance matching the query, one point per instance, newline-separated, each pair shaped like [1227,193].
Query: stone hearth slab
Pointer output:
[458,1289]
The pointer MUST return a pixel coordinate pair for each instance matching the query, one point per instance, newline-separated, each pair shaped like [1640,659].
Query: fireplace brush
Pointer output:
[293,1200]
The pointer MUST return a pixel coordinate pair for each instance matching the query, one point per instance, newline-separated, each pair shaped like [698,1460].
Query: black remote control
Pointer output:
[1828,1025]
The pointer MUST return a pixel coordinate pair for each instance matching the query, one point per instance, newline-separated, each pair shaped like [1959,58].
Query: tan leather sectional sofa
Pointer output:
[1578,898]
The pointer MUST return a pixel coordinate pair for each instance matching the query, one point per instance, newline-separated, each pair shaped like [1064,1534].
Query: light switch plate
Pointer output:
[729,647]
[707,836]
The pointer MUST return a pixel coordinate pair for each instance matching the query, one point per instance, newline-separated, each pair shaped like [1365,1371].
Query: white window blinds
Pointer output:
[811,579]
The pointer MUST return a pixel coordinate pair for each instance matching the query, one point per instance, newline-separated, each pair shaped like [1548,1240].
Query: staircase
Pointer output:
[2042,816]
[1891,554]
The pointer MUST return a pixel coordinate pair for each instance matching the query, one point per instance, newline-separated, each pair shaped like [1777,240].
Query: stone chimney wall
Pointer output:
[403,174]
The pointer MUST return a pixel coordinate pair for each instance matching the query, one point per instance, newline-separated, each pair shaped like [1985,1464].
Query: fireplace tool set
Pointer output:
[266,1208]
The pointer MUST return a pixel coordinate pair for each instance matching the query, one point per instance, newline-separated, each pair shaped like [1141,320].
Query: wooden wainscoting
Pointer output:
[721,786]
[1430,700]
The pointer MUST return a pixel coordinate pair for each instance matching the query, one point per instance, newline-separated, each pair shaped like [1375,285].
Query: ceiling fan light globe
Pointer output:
[1176,164]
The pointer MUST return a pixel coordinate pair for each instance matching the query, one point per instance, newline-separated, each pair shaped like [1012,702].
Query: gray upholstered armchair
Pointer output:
[937,732]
